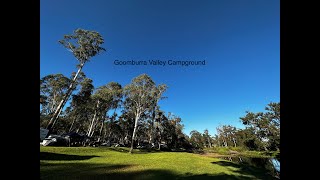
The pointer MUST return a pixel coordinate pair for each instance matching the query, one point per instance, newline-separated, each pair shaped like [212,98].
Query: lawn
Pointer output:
[117,163]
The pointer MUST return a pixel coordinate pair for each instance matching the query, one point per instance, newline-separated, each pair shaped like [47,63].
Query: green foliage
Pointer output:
[141,98]
[109,95]
[83,44]
[52,89]
[223,150]
[196,139]
[257,154]
[140,94]
[81,107]
[265,126]
[262,132]
[239,148]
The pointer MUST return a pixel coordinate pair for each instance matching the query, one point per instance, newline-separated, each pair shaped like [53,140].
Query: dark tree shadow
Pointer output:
[246,169]
[221,176]
[83,171]
[64,157]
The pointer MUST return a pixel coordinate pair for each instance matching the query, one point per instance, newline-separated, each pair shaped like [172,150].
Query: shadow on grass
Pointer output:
[246,169]
[84,170]
[62,157]
[105,171]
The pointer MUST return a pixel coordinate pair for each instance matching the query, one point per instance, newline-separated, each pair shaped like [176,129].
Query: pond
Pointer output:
[272,165]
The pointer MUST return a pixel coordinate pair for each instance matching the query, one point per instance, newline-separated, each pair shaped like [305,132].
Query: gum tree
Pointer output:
[140,99]
[84,45]
[106,97]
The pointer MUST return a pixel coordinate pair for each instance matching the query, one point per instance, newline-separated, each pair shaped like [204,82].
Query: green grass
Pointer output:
[117,163]
[241,152]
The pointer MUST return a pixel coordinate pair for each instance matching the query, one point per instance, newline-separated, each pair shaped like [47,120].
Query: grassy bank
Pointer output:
[116,163]
[229,151]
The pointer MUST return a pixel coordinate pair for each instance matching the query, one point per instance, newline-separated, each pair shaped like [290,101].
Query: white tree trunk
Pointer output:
[209,142]
[74,119]
[152,125]
[101,129]
[234,141]
[150,135]
[93,119]
[94,126]
[91,124]
[159,148]
[134,129]
[105,133]
[64,100]
[225,142]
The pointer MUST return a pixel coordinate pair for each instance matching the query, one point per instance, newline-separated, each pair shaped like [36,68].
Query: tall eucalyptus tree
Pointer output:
[140,99]
[84,45]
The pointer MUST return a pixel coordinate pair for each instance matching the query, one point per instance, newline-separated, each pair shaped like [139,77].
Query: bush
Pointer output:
[239,149]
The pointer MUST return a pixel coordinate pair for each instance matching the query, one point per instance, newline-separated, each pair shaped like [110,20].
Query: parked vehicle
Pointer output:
[54,140]
[43,133]
[74,139]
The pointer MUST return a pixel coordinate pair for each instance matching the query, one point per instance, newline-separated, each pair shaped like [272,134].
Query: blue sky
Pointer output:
[240,41]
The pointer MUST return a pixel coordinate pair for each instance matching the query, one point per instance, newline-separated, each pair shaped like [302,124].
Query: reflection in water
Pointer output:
[272,165]
[276,164]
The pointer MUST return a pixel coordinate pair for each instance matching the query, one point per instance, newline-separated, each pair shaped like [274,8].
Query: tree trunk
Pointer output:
[101,129]
[91,124]
[105,132]
[225,142]
[263,144]
[93,119]
[53,104]
[209,142]
[152,124]
[94,126]
[74,119]
[109,136]
[159,141]
[126,139]
[134,130]
[93,129]
[63,101]
[150,135]
[234,141]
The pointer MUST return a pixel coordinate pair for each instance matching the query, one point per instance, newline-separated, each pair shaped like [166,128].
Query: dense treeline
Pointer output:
[262,132]
[112,113]
[130,115]
[116,114]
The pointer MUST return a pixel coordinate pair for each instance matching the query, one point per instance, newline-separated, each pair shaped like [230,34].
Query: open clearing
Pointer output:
[117,163]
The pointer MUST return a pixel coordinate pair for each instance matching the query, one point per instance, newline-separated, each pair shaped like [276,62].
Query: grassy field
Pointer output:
[117,163]
[221,151]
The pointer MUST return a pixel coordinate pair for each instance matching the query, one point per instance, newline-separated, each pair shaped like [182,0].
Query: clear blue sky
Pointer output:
[240,41]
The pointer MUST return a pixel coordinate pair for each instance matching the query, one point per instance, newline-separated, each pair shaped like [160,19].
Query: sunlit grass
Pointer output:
[117,163]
